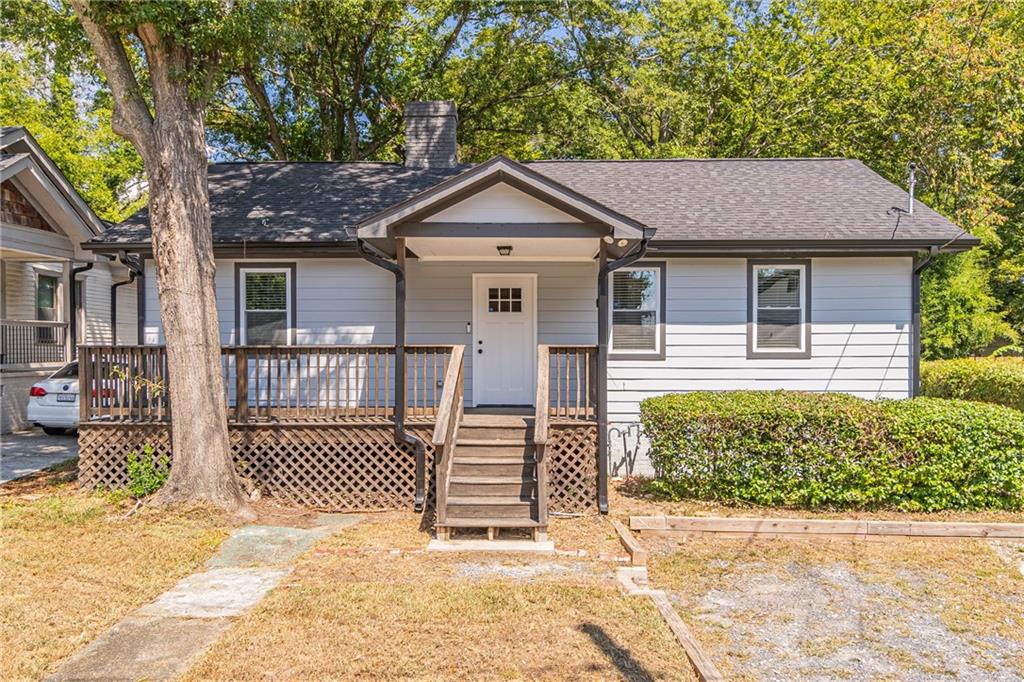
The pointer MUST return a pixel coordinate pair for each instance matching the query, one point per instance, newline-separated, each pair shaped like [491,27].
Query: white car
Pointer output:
[53,402]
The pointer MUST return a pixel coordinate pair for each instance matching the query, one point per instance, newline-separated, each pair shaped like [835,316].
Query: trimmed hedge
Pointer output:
[988,380]
[833,450]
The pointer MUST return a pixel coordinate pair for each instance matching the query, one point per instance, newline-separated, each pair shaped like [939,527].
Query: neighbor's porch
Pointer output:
[319,425]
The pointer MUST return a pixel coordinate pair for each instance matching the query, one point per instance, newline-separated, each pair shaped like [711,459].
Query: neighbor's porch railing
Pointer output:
[30,342]
[268,383]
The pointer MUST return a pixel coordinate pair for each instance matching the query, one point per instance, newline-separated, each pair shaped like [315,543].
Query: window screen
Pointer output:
[266,312]
[635,310]
[779,308]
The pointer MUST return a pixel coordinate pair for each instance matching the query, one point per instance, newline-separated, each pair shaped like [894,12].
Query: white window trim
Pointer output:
[804,284]
[244,312]
[659,304]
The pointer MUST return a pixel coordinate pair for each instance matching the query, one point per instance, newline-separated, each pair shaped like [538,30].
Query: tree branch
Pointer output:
[131,118]
[258,93]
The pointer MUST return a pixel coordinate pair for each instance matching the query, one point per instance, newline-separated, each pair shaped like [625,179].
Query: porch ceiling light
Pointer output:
[622,243]
[505,250]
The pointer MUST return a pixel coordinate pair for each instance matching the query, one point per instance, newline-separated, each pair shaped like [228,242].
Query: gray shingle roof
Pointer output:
[752,199]
[693,200]
[295,202]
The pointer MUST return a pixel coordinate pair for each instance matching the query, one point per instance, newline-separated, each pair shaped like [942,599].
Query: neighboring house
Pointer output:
[719,273]
[51,291]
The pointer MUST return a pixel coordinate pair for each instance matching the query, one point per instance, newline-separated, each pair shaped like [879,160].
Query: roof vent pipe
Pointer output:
[430,134]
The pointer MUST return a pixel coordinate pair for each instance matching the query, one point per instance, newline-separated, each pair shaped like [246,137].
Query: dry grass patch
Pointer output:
[71,566]
[356,609]
[888,604]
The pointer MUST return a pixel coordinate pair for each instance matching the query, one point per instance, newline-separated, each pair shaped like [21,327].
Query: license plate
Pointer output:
[67,397]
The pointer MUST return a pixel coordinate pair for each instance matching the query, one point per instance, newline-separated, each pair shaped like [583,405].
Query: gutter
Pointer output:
[915,324]
[402,437]
[73,301]
[133,271]
[607,267]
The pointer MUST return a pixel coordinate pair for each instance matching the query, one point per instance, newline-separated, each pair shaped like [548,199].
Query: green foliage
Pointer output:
[49,85]
[939,82]
[834,450]
[147,473]
[989,380]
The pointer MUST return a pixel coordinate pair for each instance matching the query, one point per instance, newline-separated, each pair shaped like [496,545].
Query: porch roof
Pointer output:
[723,204]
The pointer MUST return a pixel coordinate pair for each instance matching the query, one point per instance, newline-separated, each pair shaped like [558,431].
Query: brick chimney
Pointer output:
[430,134]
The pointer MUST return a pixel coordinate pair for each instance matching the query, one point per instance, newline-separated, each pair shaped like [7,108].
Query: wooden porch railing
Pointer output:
[566,390]
[446,429]
[30,342]
[268,383]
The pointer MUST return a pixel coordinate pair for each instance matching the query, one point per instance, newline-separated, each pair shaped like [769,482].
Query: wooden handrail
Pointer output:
[540,422]
[127,383]
[446,429]
[446,408]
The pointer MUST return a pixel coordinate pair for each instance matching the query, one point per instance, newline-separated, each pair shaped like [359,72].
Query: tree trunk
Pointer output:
[202,468]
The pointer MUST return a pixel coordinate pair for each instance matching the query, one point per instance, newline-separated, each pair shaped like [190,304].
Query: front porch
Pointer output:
[358,427]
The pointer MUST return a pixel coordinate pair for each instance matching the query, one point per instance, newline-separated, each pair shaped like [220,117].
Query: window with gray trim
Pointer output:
[636,310]
[266,306]
[779,303]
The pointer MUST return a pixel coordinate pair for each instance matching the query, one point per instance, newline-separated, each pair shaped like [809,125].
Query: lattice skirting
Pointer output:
[572,468]
[334,467]
[329,467]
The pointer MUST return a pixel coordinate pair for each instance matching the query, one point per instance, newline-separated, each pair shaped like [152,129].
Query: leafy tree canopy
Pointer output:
[939,82]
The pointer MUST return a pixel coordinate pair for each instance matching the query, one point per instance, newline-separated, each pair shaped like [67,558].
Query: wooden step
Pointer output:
[494,466]
[494,447]
[489,523]
[468,486]
[485,431]
[512,507]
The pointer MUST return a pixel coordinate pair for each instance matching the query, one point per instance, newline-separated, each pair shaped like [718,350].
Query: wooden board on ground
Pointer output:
[702,664]
[684,526]
[637,552]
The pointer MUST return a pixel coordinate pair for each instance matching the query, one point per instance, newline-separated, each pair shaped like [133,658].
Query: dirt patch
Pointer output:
[817,609]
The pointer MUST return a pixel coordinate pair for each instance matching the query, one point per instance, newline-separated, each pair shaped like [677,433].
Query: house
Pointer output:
[569,289]
[53,294]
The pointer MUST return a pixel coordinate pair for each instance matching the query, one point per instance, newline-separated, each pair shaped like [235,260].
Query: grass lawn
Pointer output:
[71,566]
[893,609]
[358,608]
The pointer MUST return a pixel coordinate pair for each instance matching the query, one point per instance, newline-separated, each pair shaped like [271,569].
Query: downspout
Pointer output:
[602,363]
[73,302]
[402,437]
[133,272]
[915,323]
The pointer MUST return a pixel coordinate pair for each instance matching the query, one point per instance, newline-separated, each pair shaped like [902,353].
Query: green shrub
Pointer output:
[989,380]
[146,473]
[834,450]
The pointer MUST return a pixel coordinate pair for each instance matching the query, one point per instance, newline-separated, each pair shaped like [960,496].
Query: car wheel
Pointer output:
[53,431]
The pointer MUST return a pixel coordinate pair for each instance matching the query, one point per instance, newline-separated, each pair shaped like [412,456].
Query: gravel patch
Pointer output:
[826,622]
[521,572]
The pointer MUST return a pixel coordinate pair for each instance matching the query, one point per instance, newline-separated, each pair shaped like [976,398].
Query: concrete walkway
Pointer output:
[26,452]
[164,638]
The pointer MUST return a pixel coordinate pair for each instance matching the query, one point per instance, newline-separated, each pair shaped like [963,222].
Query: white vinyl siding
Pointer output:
[860,341]
[350,301]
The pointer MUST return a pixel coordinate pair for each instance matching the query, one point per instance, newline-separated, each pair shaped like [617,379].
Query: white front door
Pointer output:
[504,339]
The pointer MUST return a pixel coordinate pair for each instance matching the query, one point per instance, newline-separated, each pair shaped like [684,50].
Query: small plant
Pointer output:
[146,473]
[139,383]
